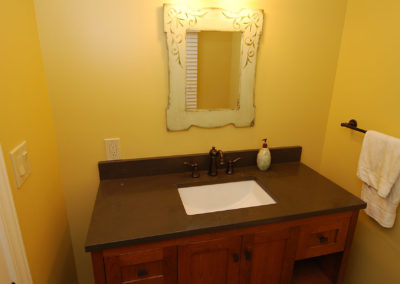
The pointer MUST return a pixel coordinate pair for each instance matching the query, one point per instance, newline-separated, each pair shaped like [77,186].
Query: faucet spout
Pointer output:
[215,154]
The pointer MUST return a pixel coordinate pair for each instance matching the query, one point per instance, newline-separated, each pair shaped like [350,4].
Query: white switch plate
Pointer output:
[113,150]
[20,163]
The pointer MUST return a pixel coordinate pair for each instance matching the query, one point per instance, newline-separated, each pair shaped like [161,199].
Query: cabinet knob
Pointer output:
[236,257]
[247,254]
[142,272]
[323,239]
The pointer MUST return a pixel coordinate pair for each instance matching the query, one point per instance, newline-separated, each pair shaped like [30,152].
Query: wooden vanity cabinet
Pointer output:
[310,250]
[212,261]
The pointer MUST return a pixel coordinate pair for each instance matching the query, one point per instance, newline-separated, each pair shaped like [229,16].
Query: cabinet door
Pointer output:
[268,257]
[152,266]
[210,262]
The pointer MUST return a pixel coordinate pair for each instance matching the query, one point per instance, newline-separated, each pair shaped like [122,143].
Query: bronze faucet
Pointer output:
[195,169]
[231,163]
[215,154]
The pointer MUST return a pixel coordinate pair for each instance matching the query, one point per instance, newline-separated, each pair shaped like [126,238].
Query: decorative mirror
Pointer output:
[212,65]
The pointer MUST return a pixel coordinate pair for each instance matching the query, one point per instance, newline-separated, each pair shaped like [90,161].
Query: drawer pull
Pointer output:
[323,239]
[142,272]
[235,257]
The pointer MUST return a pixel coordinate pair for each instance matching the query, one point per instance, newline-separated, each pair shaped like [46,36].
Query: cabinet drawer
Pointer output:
[142,271]
[323,235]
[151,266]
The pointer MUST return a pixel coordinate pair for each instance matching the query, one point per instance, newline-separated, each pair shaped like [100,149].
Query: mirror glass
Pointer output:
[212,69]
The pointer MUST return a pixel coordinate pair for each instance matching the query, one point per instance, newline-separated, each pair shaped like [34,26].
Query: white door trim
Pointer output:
[10,234]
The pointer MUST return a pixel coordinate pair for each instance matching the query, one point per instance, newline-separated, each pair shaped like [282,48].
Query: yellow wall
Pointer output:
[367,88]
[107,73]
[25,115]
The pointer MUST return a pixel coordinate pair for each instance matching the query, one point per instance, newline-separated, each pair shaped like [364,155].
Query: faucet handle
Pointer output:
[221,158]
[195,168]
[231,163]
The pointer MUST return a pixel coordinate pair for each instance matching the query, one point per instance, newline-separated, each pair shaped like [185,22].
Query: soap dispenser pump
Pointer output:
[264,157]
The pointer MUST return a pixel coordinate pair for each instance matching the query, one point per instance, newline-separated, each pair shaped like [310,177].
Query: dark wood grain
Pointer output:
[156,265]
[210,262]
[98,267]
[333,228]
[170,265]
[269,256]
[265,254]
[174,164]
[113,270]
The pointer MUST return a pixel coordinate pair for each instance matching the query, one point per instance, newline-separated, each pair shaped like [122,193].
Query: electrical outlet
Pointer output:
[113,150]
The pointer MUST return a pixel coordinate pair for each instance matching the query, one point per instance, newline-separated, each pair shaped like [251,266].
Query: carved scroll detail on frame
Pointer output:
[251,23]
[177,20]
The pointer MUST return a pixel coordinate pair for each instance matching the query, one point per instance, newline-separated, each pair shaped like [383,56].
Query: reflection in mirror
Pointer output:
[212,69]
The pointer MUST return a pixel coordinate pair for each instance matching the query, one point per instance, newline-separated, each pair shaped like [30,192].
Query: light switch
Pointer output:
[20,163]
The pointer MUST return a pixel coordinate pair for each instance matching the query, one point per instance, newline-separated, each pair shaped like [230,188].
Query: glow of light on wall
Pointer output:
[226,4]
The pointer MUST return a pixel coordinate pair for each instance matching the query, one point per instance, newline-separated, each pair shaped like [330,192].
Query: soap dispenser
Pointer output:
[264,157]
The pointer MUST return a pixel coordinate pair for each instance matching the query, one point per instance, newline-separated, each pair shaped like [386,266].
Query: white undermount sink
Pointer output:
[223,196]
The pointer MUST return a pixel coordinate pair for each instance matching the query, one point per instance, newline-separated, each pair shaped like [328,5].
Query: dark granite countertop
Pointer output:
[148,208]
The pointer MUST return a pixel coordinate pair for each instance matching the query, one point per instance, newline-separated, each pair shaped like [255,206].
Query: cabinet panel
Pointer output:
[269,257]
[210,262]
[156,266]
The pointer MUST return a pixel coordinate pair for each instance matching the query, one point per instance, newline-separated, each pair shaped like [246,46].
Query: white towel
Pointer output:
[379,169]
[379,164]
[383,210]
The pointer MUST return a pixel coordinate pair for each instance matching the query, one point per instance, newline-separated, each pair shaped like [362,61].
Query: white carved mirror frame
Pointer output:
[179,19]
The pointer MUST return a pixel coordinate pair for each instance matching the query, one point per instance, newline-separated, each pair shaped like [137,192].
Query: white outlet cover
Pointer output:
[113,149]
[20,162]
